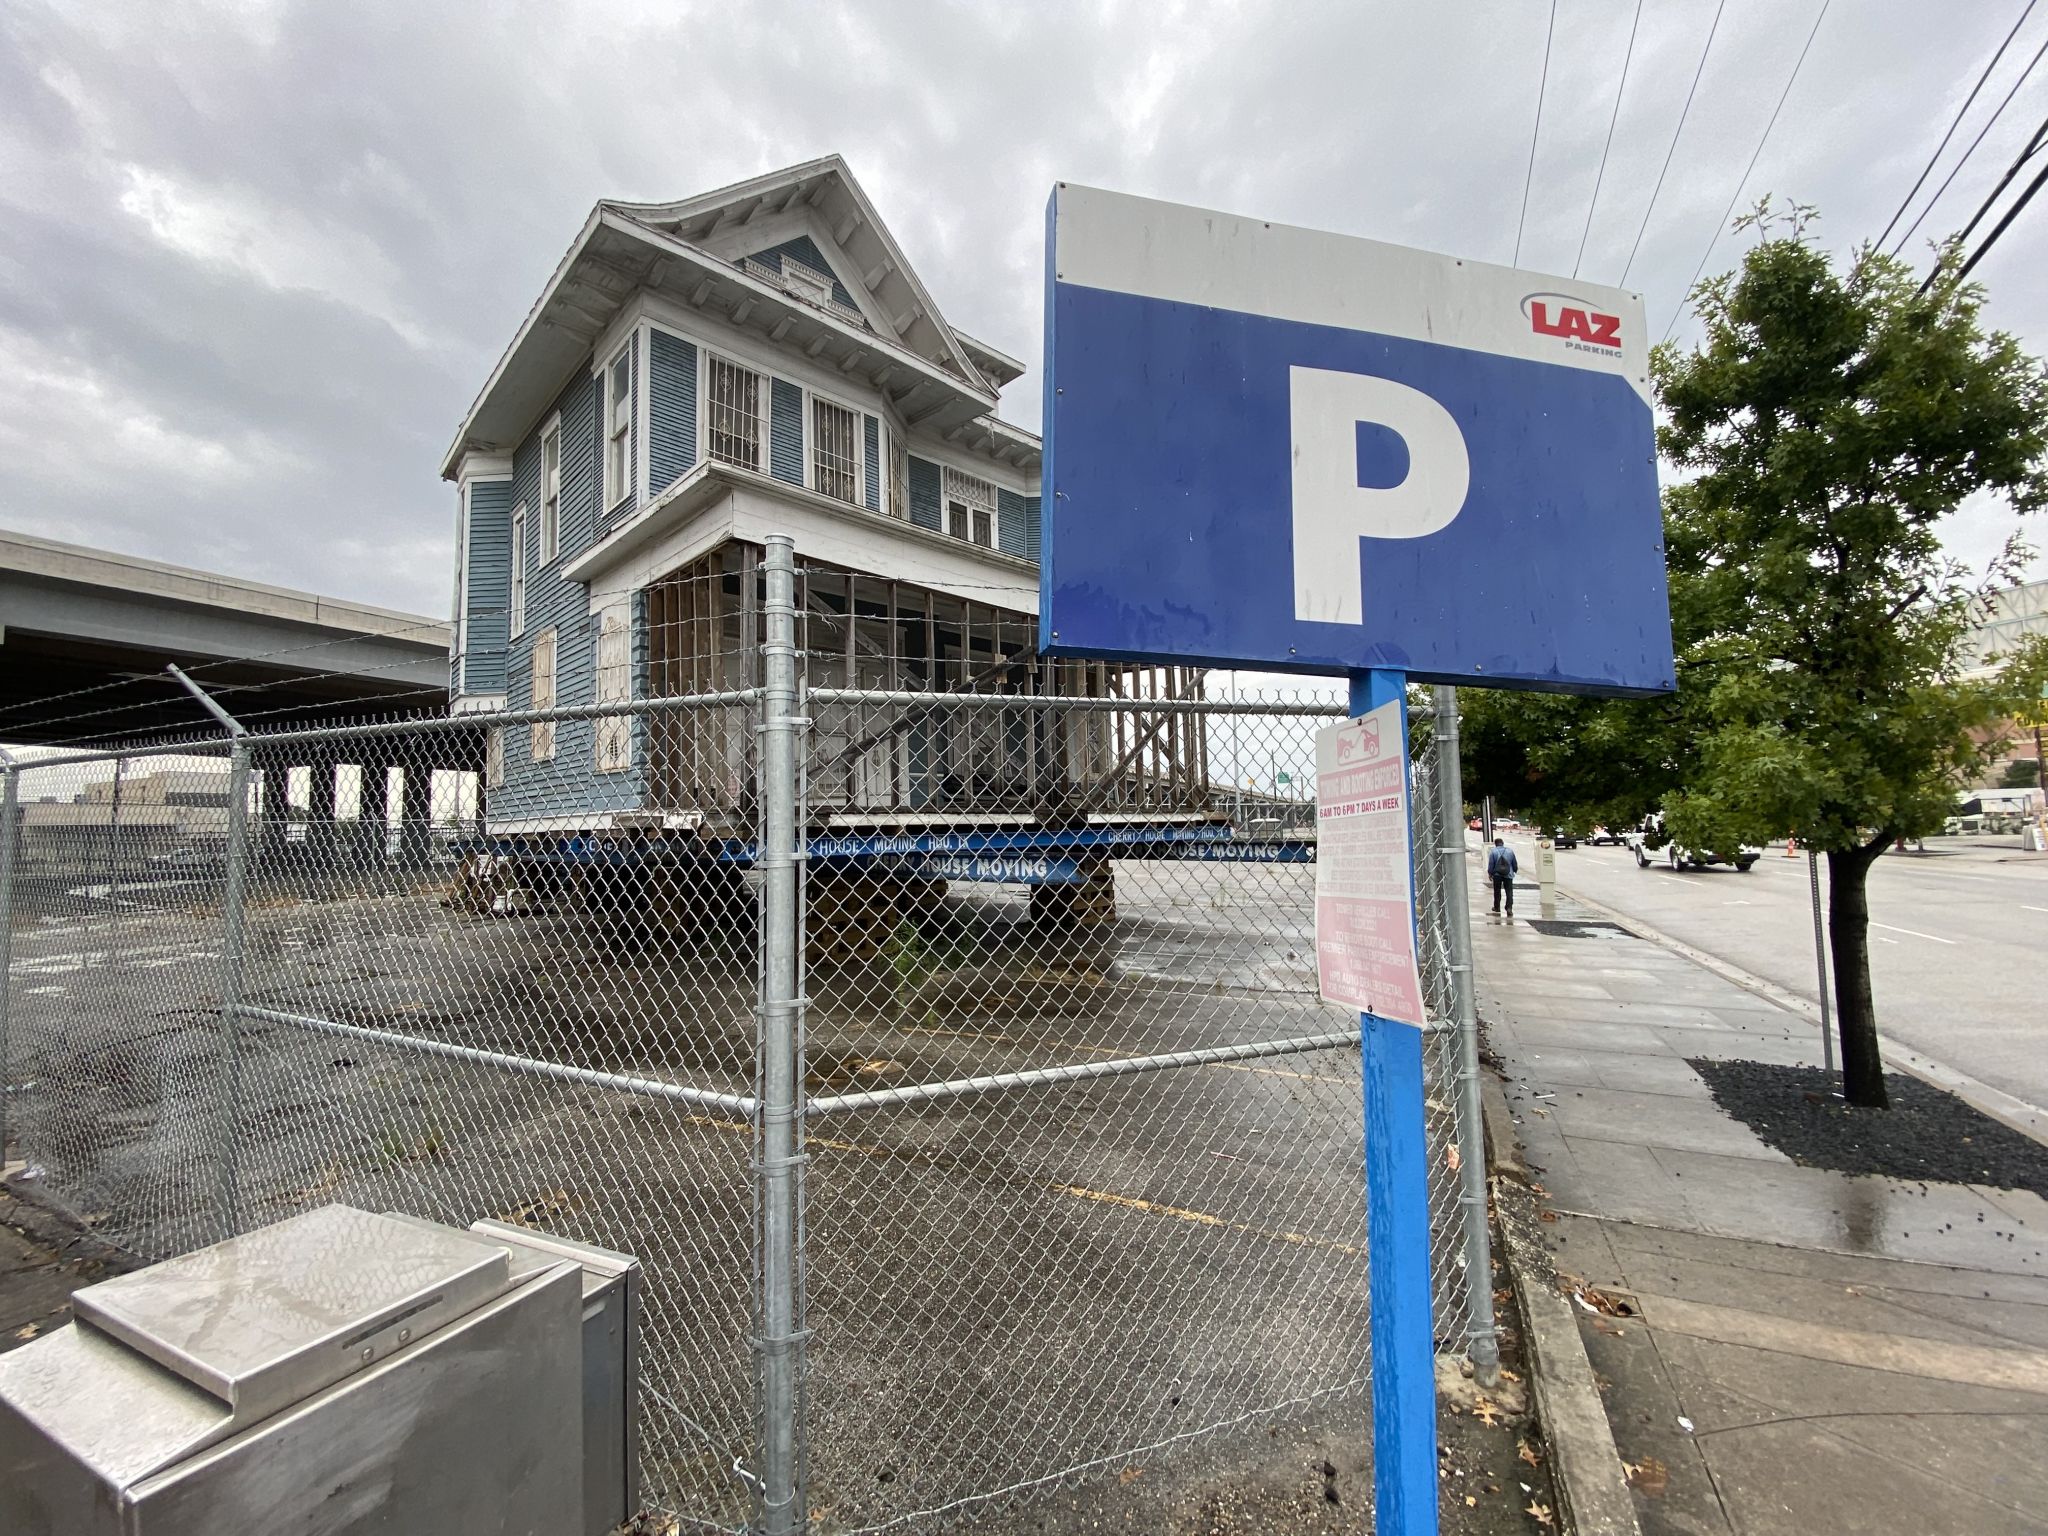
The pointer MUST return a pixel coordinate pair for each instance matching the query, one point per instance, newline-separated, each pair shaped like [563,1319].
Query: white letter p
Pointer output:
[1332,511]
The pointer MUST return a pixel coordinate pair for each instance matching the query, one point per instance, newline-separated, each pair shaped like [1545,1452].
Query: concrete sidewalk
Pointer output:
[1779,1349]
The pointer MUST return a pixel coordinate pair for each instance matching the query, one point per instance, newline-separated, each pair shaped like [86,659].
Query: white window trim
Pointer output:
[551,550]
[516,596]
[612,496]
[811,398]
[548,641]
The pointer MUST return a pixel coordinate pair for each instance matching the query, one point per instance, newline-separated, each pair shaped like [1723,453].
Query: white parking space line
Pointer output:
[1674,880]
[1916,933]
[2025,908]
[1882,939]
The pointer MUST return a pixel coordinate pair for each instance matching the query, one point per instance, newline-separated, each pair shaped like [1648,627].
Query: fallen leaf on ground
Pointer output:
[1540,1513]
[1528,1453]
[29,1332]
[1487,1413]
[1546,1215]
[1649,1475]
[1452,1158]
[1130,1475]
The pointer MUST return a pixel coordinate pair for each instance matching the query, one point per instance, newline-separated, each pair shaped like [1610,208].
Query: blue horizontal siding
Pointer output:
[924,493]
[805,250]
[1010,525]
[671,409]
[871,490]
[786,433]
[489,588]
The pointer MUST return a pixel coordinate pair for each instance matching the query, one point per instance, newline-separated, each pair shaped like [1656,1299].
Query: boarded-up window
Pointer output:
[494,757]
[733,424]
[835,461]
[544,694]
[614,737]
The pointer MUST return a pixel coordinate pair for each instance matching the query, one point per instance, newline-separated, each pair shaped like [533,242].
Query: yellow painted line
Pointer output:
[1204,1219]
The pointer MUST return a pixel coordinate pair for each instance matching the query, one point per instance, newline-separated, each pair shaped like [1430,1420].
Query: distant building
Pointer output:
[136,816]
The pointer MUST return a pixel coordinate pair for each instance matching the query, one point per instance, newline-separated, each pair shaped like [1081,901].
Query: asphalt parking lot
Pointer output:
[1002,1286]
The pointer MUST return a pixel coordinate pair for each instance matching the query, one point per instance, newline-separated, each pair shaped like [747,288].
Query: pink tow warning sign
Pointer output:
[1365,890]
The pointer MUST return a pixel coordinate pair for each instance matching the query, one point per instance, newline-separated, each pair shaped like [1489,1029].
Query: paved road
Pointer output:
[1959,941]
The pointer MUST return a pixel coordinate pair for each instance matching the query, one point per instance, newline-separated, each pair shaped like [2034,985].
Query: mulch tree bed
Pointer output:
[1928,1134]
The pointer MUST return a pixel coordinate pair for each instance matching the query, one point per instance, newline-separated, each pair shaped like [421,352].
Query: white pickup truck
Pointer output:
[1651,844]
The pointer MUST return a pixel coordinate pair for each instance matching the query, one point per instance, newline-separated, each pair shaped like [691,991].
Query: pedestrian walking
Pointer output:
[1500,870]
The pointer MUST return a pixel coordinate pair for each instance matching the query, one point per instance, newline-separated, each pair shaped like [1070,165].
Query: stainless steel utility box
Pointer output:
[340,1372]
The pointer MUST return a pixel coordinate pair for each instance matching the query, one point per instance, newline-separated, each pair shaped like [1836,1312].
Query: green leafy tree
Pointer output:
[2021,773]
[1823,428]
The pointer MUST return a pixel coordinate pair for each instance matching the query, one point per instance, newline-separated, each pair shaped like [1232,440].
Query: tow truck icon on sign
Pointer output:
[1333,510]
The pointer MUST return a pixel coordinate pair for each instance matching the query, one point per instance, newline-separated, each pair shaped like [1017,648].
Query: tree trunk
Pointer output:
[1849,947]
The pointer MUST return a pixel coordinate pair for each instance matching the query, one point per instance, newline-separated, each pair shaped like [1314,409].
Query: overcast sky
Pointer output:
[256,258]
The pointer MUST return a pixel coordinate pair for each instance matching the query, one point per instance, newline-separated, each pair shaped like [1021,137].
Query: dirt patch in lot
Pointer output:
[1927,1134]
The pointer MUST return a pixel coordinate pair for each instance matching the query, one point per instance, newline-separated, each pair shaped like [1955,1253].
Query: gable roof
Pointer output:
[691,251]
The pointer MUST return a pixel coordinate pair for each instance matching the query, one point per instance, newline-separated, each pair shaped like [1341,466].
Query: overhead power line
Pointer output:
[1927,169]
[2027,152]
[1542,86]
[1715,237]
[1989,124]
[1676,133]
[2003,224]
[1601,174]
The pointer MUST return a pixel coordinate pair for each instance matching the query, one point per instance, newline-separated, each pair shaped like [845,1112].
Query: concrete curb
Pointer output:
[1584,1464]
[2029,1120]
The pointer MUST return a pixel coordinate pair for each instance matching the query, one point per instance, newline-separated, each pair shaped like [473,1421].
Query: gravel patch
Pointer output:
[1928,1134]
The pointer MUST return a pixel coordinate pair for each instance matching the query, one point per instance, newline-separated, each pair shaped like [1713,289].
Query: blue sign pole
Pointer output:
[1397,1242]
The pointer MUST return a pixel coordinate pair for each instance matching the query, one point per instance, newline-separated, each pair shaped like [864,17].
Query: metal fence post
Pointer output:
[234,904]
[10,833]
[1483,1343]
[779,1139]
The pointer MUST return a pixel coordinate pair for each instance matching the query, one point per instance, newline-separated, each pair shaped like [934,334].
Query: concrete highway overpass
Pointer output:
[74,619]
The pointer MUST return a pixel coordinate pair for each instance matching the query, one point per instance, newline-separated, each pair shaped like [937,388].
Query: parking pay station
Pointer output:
[338,1372]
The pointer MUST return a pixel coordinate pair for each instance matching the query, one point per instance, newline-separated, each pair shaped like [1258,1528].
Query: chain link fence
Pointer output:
[939,1028]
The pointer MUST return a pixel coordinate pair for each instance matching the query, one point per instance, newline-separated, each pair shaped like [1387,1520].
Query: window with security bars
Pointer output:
[543,694]
[734,418]
[835,458]
[614,735]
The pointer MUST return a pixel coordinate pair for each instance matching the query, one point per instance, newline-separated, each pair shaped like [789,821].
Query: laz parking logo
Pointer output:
[1583,328]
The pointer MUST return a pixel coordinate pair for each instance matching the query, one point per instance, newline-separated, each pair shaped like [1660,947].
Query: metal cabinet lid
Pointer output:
[265,1320]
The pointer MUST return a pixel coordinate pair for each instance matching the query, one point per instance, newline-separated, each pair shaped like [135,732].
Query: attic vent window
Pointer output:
[806,282]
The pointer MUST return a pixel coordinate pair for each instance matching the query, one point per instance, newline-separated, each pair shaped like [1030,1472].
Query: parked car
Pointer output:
[1560,838]
[1650,839]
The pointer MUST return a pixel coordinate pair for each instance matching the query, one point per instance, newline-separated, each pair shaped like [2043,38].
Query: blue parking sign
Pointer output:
[1282,448]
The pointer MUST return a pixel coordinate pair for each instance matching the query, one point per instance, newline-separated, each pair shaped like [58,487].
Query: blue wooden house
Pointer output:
[698,375]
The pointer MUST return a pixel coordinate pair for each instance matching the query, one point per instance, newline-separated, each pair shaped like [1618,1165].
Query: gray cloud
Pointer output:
[256,258]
